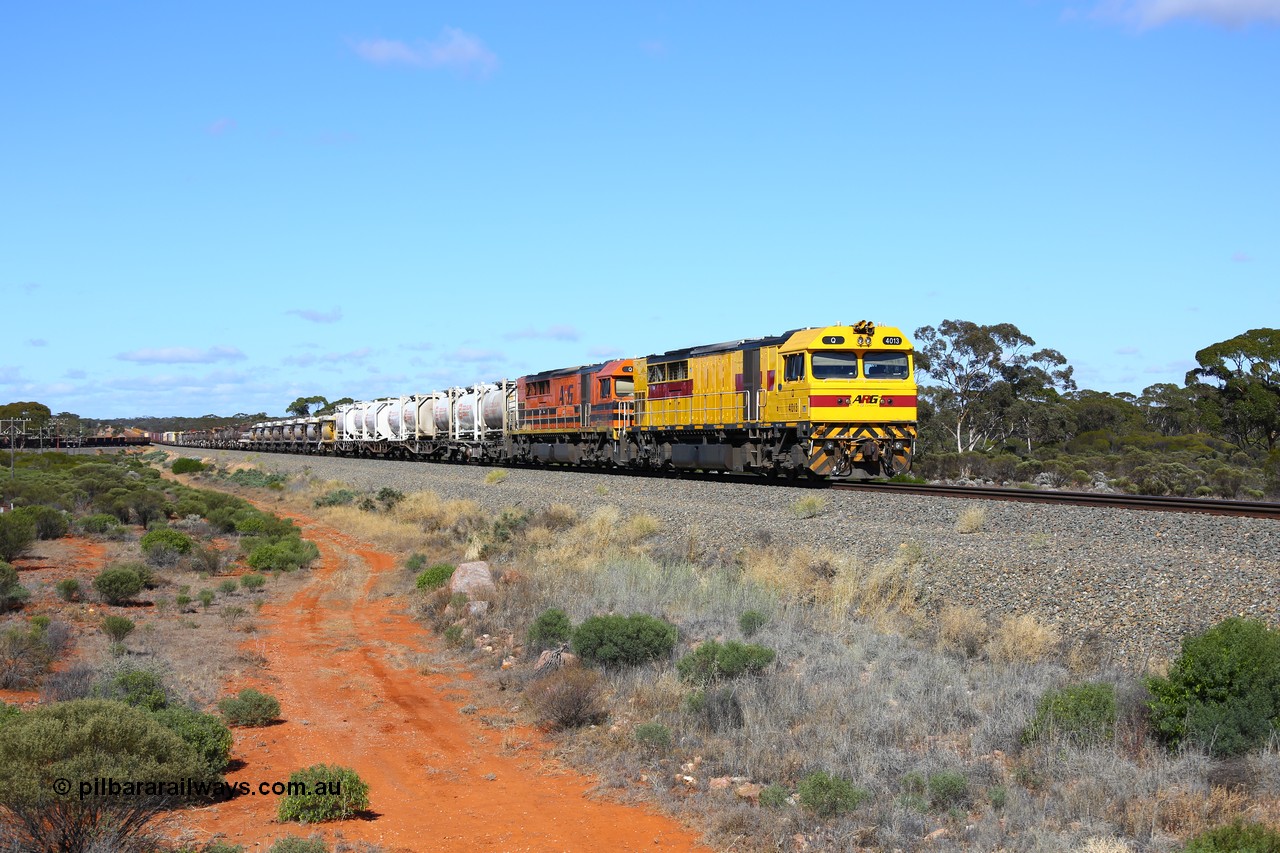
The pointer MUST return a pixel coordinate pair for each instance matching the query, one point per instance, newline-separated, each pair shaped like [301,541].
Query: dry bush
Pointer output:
[964,629]
[557,517]
[795,573]
[971,520]
[1180,812]
[432,514]
[387,531]
[1104,845]
[568,698]
[497,475]
[641,527]
[1022,639]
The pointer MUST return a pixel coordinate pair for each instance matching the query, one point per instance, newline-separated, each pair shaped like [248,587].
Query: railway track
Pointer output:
[1245,509]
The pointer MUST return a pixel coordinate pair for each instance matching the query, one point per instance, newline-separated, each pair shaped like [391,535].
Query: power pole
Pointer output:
[13,427]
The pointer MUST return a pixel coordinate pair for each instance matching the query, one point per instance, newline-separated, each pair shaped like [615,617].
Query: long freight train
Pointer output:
[836,402]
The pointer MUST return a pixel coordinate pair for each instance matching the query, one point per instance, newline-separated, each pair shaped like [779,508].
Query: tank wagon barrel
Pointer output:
[834,401]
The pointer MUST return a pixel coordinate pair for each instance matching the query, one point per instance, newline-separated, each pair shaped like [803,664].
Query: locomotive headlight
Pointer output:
[829,447]
[897,445]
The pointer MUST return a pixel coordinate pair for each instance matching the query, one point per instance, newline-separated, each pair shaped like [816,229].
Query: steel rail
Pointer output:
[1246,509]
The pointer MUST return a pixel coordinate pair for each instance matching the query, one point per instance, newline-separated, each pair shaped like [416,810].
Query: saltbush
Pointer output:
[294,844]
[187,465]
[434,577]
[117,627]
[829,796]
[1083,713]
[50,523]
[336,497]
[117,585]
[284,555]
[12,593]
[68,589]
[100,523]
[947,788]
[205,733]
[253,581]
[653,736]
[17,533]
[712,661]
[552,628]
[250,708]
[163,541]
[1223,691]
[333,793]
[136,686]
[615,640]
[1236,837]
[751,622]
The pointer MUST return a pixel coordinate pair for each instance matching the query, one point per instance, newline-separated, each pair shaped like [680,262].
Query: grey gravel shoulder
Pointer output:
[1137,580]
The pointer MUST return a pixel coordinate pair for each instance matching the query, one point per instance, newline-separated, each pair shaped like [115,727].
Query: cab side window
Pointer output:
[793,368]
[604,389]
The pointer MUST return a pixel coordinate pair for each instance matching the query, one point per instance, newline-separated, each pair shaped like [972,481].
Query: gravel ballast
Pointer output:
[1137,580]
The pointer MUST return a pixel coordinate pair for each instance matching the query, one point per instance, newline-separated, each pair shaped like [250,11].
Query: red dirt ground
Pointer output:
[341,660]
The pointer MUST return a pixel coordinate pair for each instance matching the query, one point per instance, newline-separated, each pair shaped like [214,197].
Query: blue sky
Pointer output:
[217,208]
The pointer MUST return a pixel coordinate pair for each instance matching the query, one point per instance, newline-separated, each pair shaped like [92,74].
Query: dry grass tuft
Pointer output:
[642,527]
[962,628]
[1022,639]
[497,475]
[386,530]
[808,507]
[1105,845]
[971,520]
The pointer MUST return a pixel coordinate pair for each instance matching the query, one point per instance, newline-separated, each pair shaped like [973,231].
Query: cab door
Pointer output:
[792,395]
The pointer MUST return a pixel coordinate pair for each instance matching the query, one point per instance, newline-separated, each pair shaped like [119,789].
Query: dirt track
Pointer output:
[345,664]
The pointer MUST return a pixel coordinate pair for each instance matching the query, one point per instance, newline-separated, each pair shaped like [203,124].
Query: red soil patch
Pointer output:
[340,660]
[51,561]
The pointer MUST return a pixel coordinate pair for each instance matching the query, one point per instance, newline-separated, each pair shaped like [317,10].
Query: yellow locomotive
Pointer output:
[837,401]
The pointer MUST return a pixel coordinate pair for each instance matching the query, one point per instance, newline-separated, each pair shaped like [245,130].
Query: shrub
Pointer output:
[416,562]
[100,523]
[1084,714]
[25,655]
[49,523]
[336,497]
[68,589]
[435,576]
[624,640]
[293,844]
[389,497]
[947,788]
[569,697]
[552,628]
[253,581]
[284,555]
[717,710]
[249,709]
[187,465]
[1022,638]
[163,543]
[204,733]
[117,585]
[228,586]
[12,593]
[774,796]
[1223,691]
[333,793]
[1236,837]
[653,736]
[497,475]
[750,623]
[79,740]
[714,662]
[17,533]
[205,597]
[136,686]
[829,796]
[117,627]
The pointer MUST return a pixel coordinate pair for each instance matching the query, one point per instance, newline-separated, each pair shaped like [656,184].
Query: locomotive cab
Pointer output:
[855,385]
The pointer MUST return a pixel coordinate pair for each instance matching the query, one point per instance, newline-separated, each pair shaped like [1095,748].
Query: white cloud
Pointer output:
[11,375]
[181,355]
[76,374]
[1234,14]
[551,333]
[317,316]
[453,49]
[37,342]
